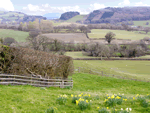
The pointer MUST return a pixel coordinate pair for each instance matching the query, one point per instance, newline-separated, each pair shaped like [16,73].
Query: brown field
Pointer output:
[68,37]
[81,38]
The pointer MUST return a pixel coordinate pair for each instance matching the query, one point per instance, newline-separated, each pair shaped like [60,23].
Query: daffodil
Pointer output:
[75,95]
[147,94]
[133,97]
[112,96]
[86,101]
[127,109]
[107,94]
[97,107]
[77,102]
[115,109]
[107,107]
[89,95]
[121,108]
[130,109]
[55,108]
[108,97]
[79,95]
[137,95]
[71,95]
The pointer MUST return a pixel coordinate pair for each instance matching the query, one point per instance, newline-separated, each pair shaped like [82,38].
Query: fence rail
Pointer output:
[6,79]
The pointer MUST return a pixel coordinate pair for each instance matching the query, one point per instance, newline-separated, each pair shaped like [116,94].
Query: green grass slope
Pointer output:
[121,68]
[76,18]
[120,34]
[28,99]
[19,36]
[141,23]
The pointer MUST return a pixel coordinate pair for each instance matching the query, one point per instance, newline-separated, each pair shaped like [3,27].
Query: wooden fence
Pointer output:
[6,79]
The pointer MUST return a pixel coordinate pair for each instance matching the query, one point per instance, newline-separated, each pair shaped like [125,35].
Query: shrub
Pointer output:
[109,36]
[51,110]
[83,104]
[9,40]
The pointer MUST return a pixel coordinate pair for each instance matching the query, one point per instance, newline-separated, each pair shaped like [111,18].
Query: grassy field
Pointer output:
[121,68]
[19,99]
[141,23]
[76,18]
[120,34]
[19,36]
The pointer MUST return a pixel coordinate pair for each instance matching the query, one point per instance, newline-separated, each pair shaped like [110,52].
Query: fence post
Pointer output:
[62,84]
[31,79]
[48,81]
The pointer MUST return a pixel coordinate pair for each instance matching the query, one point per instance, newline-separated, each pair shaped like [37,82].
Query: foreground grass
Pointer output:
[130,69]
[120,34]
[28,99]
[19,36]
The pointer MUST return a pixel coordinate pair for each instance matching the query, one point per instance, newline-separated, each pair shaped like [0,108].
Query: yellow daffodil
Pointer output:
[55,108]
[107,107]
[75,95]
[79,95]
[108,97]
[125,99]
[77,102]
[82,99]
[89,95]
[137,95]
[112,96]
[133,97]
[107,94]
[97,107]
[86,101]
[115,109]
[147,94]
[71,95]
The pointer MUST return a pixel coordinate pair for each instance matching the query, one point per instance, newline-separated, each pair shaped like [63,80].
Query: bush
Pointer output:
[9,40]
[146,39]
[51,110]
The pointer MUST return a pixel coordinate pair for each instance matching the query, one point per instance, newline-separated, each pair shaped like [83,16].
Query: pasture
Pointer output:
[141,23]
[130,69]
[19,99]
[120,34]
[19,36]
[76,18]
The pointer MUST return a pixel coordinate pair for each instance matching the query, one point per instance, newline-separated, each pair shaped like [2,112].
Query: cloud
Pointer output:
[96,6]
[6,5]
[125,2]
[46,8]
[141,4]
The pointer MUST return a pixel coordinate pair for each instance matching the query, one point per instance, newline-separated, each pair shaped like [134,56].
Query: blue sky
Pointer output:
[41,7]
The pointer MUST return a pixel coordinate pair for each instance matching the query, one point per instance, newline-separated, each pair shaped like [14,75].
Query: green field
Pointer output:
[19,36]
[28,99]
[120,34]
[76,18]
[141,23]
[120,68]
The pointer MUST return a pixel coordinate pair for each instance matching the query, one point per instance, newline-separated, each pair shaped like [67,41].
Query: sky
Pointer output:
[41,7]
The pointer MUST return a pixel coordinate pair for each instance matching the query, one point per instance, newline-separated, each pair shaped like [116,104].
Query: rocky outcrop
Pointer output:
[68,15]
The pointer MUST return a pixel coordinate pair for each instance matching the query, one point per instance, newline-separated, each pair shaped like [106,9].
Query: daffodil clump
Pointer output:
[76,97]
[83,104]
[142,101]
[103,110]
[62,99]
[51,110]
[113,100]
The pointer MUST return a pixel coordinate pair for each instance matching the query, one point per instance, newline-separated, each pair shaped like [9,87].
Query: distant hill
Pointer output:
[52,15]
[115,15]
[13,16]
[68,15]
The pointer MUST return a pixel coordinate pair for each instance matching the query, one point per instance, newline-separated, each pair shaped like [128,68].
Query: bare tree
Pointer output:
[109,36]
[147,29]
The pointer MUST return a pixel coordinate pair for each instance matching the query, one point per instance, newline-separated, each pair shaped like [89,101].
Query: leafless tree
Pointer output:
[109,36]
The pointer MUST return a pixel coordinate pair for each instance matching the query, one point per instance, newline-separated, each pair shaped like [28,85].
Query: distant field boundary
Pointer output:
[6,79]
[112,38]
[110,59]
[101,73]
